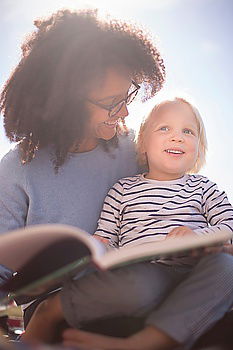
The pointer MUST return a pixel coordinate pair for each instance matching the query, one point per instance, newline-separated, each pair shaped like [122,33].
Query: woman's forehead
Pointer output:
[114,82]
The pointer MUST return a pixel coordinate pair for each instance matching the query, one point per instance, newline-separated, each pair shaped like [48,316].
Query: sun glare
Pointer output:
[105,7]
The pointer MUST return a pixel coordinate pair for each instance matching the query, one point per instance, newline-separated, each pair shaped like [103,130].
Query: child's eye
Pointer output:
[164,128]
[188,131]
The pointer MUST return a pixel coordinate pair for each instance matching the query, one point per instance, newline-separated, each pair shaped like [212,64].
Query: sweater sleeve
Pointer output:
[13,197]
[216,209]
[109,221]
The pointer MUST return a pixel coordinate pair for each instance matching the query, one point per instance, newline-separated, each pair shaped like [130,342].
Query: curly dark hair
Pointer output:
[43,101]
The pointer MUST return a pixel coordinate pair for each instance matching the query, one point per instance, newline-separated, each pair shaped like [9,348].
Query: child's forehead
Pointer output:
[169,108]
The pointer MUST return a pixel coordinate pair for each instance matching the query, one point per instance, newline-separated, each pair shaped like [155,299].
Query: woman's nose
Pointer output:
[123,112]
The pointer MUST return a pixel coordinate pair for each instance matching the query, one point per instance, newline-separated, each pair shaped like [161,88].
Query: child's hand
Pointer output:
[101,239]
[107,242]
[185,231]
[180,232]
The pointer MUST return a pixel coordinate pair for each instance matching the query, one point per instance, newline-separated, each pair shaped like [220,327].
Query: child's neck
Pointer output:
[163,177]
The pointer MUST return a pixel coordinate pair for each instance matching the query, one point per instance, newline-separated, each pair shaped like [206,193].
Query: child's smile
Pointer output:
[174,151]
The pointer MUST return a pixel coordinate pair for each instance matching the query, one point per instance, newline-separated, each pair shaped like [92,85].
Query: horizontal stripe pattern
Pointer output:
[139,210]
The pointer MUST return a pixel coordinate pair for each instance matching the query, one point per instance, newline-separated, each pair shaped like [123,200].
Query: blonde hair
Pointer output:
[202,147]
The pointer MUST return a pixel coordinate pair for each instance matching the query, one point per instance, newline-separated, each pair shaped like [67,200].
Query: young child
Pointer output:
[178,298]
[167,201]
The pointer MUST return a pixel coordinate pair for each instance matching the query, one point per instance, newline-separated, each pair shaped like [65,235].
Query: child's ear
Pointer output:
[143,153]
[195,168]
[143,147]
[143,140]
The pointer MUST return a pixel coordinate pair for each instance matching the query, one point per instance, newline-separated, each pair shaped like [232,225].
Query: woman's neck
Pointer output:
[84,146]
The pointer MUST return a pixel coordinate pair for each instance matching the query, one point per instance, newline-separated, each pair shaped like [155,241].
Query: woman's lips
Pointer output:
[111,124]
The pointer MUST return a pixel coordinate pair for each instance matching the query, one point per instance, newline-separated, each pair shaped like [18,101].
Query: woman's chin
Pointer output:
[108,135]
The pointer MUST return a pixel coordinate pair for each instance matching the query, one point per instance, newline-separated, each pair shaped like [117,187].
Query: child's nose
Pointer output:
[177,137]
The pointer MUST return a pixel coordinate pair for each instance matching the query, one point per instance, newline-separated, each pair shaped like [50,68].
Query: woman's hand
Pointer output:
[225,248]
[186,231]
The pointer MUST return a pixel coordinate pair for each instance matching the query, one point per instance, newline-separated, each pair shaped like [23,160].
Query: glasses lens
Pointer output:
[131,96]
[116,109]
[132,93]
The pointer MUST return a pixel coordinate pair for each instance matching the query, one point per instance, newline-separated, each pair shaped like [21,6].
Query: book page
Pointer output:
[163,249]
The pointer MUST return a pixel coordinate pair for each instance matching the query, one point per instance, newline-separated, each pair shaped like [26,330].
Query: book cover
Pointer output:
[42,256]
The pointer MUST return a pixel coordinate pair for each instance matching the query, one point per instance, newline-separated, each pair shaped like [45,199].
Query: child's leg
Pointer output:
[193,307]
[198,302]
[129,291]
[150,338]
[43,324]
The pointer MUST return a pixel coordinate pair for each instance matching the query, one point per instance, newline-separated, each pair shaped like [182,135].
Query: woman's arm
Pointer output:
[13,198]
[13,202]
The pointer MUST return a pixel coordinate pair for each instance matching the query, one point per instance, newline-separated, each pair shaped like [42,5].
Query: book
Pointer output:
[43,256]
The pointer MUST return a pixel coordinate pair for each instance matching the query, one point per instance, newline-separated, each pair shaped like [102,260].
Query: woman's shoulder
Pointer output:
[11,169]
[11,159]
[11,162]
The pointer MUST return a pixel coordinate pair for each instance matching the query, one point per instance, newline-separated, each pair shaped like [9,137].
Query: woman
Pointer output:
[65,105]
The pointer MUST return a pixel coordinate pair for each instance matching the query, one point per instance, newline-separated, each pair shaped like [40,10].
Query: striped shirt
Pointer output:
[139,210]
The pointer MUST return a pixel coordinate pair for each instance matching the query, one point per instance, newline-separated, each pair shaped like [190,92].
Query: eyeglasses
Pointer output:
[115,108]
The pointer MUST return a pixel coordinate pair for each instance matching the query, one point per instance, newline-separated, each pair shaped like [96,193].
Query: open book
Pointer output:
[44,255]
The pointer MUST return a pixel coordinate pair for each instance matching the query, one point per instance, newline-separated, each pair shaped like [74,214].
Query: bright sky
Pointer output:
[194,37]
